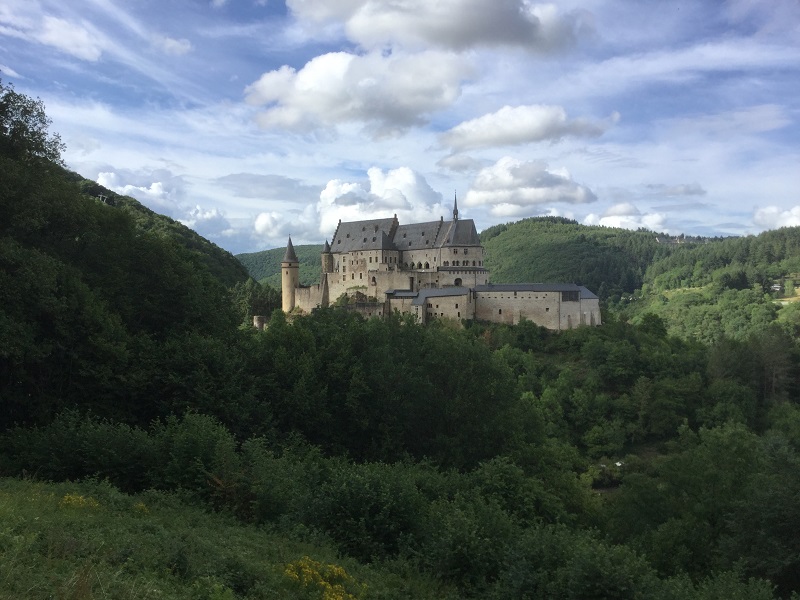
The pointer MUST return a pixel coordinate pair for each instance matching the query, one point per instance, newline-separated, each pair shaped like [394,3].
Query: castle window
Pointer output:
[427,266]
[466,250]
[348,235]
[370,259]
[473,263]
[455,250]
[363,229]
[499,311]
[456,304]
[447,263]
[373,281]
[365,239]
[547,309]
[352,276]
[404,235]
[459,314]
[361,276]
[373,238]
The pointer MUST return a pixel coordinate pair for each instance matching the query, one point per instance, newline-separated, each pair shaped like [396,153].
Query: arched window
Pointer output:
[473,263]
[457,282]
[427,266]
[419,265]
[447,263]
[373,281]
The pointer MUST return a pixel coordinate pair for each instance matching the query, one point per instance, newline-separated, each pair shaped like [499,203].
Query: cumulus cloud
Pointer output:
[510,187]
[450,24]
[626,216]
[519,125]
[210,223]
[400,191]
[387,93]
[159,190]
[773,217]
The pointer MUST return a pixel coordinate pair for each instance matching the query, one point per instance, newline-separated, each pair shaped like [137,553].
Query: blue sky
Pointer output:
[250,120]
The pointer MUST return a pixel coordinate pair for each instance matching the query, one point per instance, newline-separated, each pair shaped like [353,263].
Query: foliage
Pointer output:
[24,128]
[265,266]
[653,457]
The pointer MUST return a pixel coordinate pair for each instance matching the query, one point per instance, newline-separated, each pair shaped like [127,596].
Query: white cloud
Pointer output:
[511,187]
[450,24]
[460,163]
[388,93]
[70,37]
[627,216]
[159,190]
[172,46]
[681,189]
[518,125]
[400,191]
[750,119]
[207,222]
[6,70]
[772,217]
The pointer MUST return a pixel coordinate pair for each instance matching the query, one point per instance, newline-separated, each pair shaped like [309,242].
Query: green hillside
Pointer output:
[220,263]
[552,249]
[265,266]
[153,444]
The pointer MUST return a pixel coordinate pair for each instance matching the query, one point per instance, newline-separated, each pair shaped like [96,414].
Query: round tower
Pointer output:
[290,277]
[327,258]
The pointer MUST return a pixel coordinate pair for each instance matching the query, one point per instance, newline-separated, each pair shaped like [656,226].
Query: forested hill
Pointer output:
[220,263]
[609,261]
[265,266]
[369,458]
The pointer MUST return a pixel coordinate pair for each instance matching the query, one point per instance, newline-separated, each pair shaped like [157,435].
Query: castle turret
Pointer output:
[290,277]
[327,258]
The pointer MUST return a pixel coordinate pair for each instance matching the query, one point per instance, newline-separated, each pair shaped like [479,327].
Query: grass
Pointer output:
[87,540]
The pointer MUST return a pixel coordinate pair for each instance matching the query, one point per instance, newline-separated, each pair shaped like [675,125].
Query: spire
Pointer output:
[455,207]
[326,247]
[290,255]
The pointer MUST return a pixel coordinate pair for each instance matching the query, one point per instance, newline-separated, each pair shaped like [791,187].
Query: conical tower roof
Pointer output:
[290,255]
[326,247]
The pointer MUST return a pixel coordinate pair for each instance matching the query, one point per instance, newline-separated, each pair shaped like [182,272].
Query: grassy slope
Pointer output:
[88,540]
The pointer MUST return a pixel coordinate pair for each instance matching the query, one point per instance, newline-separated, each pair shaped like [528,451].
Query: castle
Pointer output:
[431,270]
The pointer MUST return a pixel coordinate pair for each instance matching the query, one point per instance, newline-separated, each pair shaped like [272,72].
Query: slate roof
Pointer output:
[290,255]
[425,293]
[417,236]
[537,287]
[374,234]
[459,232]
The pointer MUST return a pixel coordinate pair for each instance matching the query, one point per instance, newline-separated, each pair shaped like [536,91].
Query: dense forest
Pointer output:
[152,443]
